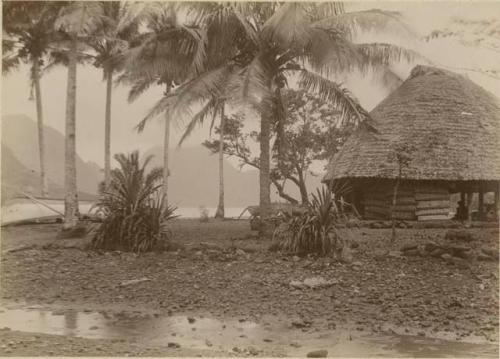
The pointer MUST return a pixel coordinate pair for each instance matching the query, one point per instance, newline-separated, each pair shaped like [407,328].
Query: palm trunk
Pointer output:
[71,195]
[41,139]
[166,145]
[107,129]
[265,194]
[220,208]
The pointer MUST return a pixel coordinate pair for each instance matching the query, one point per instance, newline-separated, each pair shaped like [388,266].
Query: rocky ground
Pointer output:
[223,269]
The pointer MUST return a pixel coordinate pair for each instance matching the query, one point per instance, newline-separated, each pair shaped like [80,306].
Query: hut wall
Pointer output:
[433,202]
[414,201]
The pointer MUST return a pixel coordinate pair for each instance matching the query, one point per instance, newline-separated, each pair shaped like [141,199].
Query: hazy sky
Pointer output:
[422,16]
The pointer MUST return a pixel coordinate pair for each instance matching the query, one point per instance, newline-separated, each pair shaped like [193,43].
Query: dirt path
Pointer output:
[224,275]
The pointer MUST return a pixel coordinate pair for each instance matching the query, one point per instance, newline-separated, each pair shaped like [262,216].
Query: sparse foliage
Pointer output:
[135,215]
[310,133]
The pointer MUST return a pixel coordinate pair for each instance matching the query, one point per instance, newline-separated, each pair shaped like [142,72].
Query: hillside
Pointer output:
[19,134]
[16,177]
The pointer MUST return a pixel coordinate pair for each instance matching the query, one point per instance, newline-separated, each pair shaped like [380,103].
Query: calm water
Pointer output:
[25,209]
[203,333]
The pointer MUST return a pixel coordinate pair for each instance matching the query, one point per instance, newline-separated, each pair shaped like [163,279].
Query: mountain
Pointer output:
[15,176]
[194,179]
[20,136]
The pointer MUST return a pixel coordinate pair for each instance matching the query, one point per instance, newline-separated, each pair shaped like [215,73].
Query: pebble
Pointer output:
[317,354]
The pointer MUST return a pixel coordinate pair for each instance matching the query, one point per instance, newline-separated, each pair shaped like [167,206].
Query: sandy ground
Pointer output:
[223,270]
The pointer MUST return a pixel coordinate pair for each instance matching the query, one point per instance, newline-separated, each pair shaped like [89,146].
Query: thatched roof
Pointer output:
[451,125]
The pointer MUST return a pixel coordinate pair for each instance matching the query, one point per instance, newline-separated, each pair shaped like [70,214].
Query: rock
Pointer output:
[191,320]
[411,253]
[301,324]
[459,235]
[394,254]
[437,252]
[431,246]
[133,281]
[490,252]
[173,345]
[295,345]
[485,258]
[94,327]
[346,255]
[317,354]
[208,343]
[295,258]
[241,252]
[447,257]
[313,283]
[252,351]
[380,254]
[408,246]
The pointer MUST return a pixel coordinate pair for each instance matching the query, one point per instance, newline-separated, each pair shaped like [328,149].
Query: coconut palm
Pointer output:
[166,53]
[29,35]
[76,22]
[265,45]
[119,26]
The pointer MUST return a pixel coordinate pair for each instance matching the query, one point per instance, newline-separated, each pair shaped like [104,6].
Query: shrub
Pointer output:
[133,211]
[314,231]
[204,216]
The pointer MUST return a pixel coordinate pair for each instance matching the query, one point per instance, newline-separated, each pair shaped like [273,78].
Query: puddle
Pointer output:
[206,333]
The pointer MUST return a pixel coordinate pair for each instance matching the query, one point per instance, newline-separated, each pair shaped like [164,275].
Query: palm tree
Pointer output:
[267,44]
[76,22]
[165,55]
[28,37]
[120,26]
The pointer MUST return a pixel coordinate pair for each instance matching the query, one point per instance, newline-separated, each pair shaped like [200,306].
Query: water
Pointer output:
[275,335]
[25,209]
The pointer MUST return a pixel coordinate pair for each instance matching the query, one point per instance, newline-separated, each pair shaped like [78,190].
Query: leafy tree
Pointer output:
[311,129]
[29,37]
[264,45]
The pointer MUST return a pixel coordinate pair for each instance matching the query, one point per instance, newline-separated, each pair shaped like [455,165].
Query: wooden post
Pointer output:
[497,195]
[481,203]
[469,206]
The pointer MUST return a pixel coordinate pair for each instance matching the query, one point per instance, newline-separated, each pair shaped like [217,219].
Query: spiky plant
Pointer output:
[314,231]
[134,212]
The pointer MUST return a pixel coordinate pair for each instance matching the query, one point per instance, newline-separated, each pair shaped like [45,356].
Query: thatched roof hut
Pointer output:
[448,127]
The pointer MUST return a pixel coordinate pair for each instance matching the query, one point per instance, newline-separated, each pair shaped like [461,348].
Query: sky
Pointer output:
[423,17]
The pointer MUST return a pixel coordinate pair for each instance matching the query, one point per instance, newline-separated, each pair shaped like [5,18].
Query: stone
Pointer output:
[408,246]
[411,253]
[252,351]
[431,246]
[191,320]
[490,252]
[459,235]
[485,258]
[317,354]
[296,258]
[394,254]
[437,252]
[173,345]
[447,257]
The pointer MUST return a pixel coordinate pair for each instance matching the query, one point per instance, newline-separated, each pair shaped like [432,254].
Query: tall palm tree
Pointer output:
[76,22]
[164,55]
[119,26]
[29,34]
[267,44]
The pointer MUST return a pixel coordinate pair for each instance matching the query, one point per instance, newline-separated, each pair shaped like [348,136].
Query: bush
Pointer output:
[133,211]
[314,231]
[204,216]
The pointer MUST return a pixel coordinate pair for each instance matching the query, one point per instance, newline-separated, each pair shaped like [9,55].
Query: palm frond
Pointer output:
[80,18]
[352,111]
[288,27]
[376,54]
[207,110]
[373,20]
